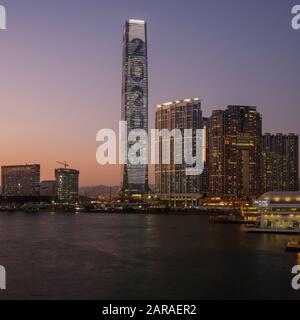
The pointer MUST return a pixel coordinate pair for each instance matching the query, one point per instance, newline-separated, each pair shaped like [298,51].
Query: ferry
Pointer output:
[293,246]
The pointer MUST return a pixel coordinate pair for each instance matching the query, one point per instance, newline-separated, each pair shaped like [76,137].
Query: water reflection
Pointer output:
[141,257]
[298,258]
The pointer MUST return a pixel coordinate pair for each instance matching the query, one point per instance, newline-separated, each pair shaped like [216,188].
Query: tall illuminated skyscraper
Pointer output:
[235,152]
[216,154]
[135,99]
[171,180]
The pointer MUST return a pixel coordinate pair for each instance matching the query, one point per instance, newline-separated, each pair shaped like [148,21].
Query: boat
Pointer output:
[293,246]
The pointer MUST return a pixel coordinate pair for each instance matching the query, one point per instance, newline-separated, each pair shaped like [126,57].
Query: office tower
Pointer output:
[67,185]
[21,180]
[135,100]
[171,180]
[48,188]
[280,162]
[235,152]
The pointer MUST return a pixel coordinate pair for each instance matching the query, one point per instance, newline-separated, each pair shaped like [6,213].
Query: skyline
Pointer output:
[76,85]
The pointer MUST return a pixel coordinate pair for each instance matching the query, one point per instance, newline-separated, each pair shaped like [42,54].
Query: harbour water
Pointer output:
[127,256]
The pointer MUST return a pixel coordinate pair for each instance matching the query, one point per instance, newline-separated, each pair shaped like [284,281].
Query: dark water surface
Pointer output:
[94,256]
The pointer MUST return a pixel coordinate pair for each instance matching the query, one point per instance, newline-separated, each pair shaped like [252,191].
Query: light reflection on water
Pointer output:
[119,256]
[298,259]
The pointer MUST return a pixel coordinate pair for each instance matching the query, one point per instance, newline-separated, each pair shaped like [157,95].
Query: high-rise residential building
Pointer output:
[135,100]
[216,155]
[48,188]
[67,185]
[235,152]
[21,180]
[205,175]
[243,130]
[280,162]
[293,147]
[171,180]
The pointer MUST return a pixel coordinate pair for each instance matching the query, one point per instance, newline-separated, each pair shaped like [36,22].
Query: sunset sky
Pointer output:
[60,70]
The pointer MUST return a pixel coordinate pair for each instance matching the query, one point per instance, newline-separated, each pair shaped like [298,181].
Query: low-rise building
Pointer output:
[279,212]
[48,188]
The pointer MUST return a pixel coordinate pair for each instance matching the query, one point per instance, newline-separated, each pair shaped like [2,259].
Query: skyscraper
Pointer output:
[205,174]
[216,155]
[243,151]
[280,162]
[293,159]
[171,180]
[135,100]
[21,180]
[235,152]
[66,185]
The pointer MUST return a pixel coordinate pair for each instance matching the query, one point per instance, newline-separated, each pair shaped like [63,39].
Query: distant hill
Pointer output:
[94,191]
[101,190]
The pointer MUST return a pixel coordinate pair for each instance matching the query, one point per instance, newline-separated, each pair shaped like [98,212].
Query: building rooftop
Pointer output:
[176,102]
[281,197]
[136,21]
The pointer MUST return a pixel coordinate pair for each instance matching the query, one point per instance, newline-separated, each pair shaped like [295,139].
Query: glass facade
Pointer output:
[135,99]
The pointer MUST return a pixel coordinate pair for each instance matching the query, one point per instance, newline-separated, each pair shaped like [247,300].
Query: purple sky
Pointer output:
[60,67]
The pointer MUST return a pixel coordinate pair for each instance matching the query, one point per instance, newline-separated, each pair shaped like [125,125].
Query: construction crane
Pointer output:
[65,164]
